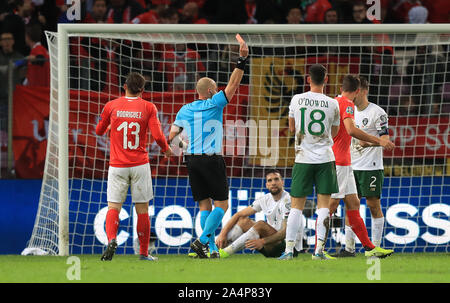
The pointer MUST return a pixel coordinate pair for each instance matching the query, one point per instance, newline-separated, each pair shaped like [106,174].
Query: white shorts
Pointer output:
[138,177]
[346,182]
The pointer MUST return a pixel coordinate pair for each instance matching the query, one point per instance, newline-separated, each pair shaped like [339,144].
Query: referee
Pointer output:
[202,121]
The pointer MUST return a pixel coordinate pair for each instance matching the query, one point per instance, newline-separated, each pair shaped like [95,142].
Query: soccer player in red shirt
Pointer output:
[128,118]
[346,179]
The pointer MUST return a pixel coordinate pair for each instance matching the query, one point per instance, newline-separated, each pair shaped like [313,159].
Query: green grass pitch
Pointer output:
[408,267]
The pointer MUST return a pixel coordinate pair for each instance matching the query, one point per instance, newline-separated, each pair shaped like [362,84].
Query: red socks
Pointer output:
[112,223]
[358,227]
[143,231]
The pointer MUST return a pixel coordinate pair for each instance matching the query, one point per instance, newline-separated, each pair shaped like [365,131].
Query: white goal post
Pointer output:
[269,35]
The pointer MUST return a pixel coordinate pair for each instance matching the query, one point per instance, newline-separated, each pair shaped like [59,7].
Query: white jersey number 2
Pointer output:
[125,126]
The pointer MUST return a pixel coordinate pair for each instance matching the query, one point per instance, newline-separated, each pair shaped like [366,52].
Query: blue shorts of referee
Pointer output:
[207,177]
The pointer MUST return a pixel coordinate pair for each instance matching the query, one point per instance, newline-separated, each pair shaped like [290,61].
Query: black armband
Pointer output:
[241,62]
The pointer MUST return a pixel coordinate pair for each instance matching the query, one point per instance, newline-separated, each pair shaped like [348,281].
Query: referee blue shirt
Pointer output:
[203,122]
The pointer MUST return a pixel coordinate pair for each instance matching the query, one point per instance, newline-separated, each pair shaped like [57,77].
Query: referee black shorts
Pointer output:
[207,177]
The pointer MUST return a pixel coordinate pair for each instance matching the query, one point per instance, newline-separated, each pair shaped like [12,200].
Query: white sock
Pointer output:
[377,230]
[235,232]
[350,239]
[322,214]
[294,221]
[299,242]
[239,243]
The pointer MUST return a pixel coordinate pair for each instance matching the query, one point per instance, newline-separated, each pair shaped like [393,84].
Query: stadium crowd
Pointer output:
[23,22]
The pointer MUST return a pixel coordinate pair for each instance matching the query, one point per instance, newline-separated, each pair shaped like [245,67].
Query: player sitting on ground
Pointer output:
[267,237]
[346,180]
[129,118]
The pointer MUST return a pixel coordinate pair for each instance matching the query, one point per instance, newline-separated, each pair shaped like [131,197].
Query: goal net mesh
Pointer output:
[408,76]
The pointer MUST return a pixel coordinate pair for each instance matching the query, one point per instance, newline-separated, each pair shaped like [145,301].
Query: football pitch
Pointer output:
[240,268]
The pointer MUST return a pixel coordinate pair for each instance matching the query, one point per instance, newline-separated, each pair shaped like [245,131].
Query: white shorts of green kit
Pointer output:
[346,182]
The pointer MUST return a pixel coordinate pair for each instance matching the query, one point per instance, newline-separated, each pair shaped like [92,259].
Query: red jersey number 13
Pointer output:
[125,126]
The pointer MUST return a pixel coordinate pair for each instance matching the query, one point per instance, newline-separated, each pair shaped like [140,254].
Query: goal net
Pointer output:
[408,71]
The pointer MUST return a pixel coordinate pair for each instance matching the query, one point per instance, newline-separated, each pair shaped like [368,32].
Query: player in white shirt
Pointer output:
[367,164]
[314,119]
[265,236]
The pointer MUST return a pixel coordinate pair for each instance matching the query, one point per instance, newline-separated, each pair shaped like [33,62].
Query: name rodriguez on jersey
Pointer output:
[127,114]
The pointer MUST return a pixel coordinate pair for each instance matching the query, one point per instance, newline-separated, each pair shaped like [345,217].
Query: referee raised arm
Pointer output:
[202,121]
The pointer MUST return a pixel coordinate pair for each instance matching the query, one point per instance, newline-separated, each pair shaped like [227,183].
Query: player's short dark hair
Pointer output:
[363,83]
[350,83]
[272,171]
[135,83]
[34,32]
[317,73]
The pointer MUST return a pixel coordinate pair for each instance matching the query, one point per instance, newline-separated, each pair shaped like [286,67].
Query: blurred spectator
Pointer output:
[15,21]
[200,3]
[123,11]
[181,67]
[7,51]
[439,10]
[360,14]
[250,8]
[152,16]
[93,64]
[190,14]
[331,16]
[98,12]
[425,74]
[402,8]
[244,12]
[142,3]
[169,16]
[38,68]
[7,54]
[408,106]
[418,15]
[46,12]
[294,16]
[149,17]
[227,63]
[315,12]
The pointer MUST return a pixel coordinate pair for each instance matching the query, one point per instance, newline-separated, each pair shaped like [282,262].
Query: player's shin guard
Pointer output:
[377,230]
[239,243]
[112,223]
[350,239]
[211,224]
[143,231]
[358,227]
[203,216]
[322,214]
[294,223]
